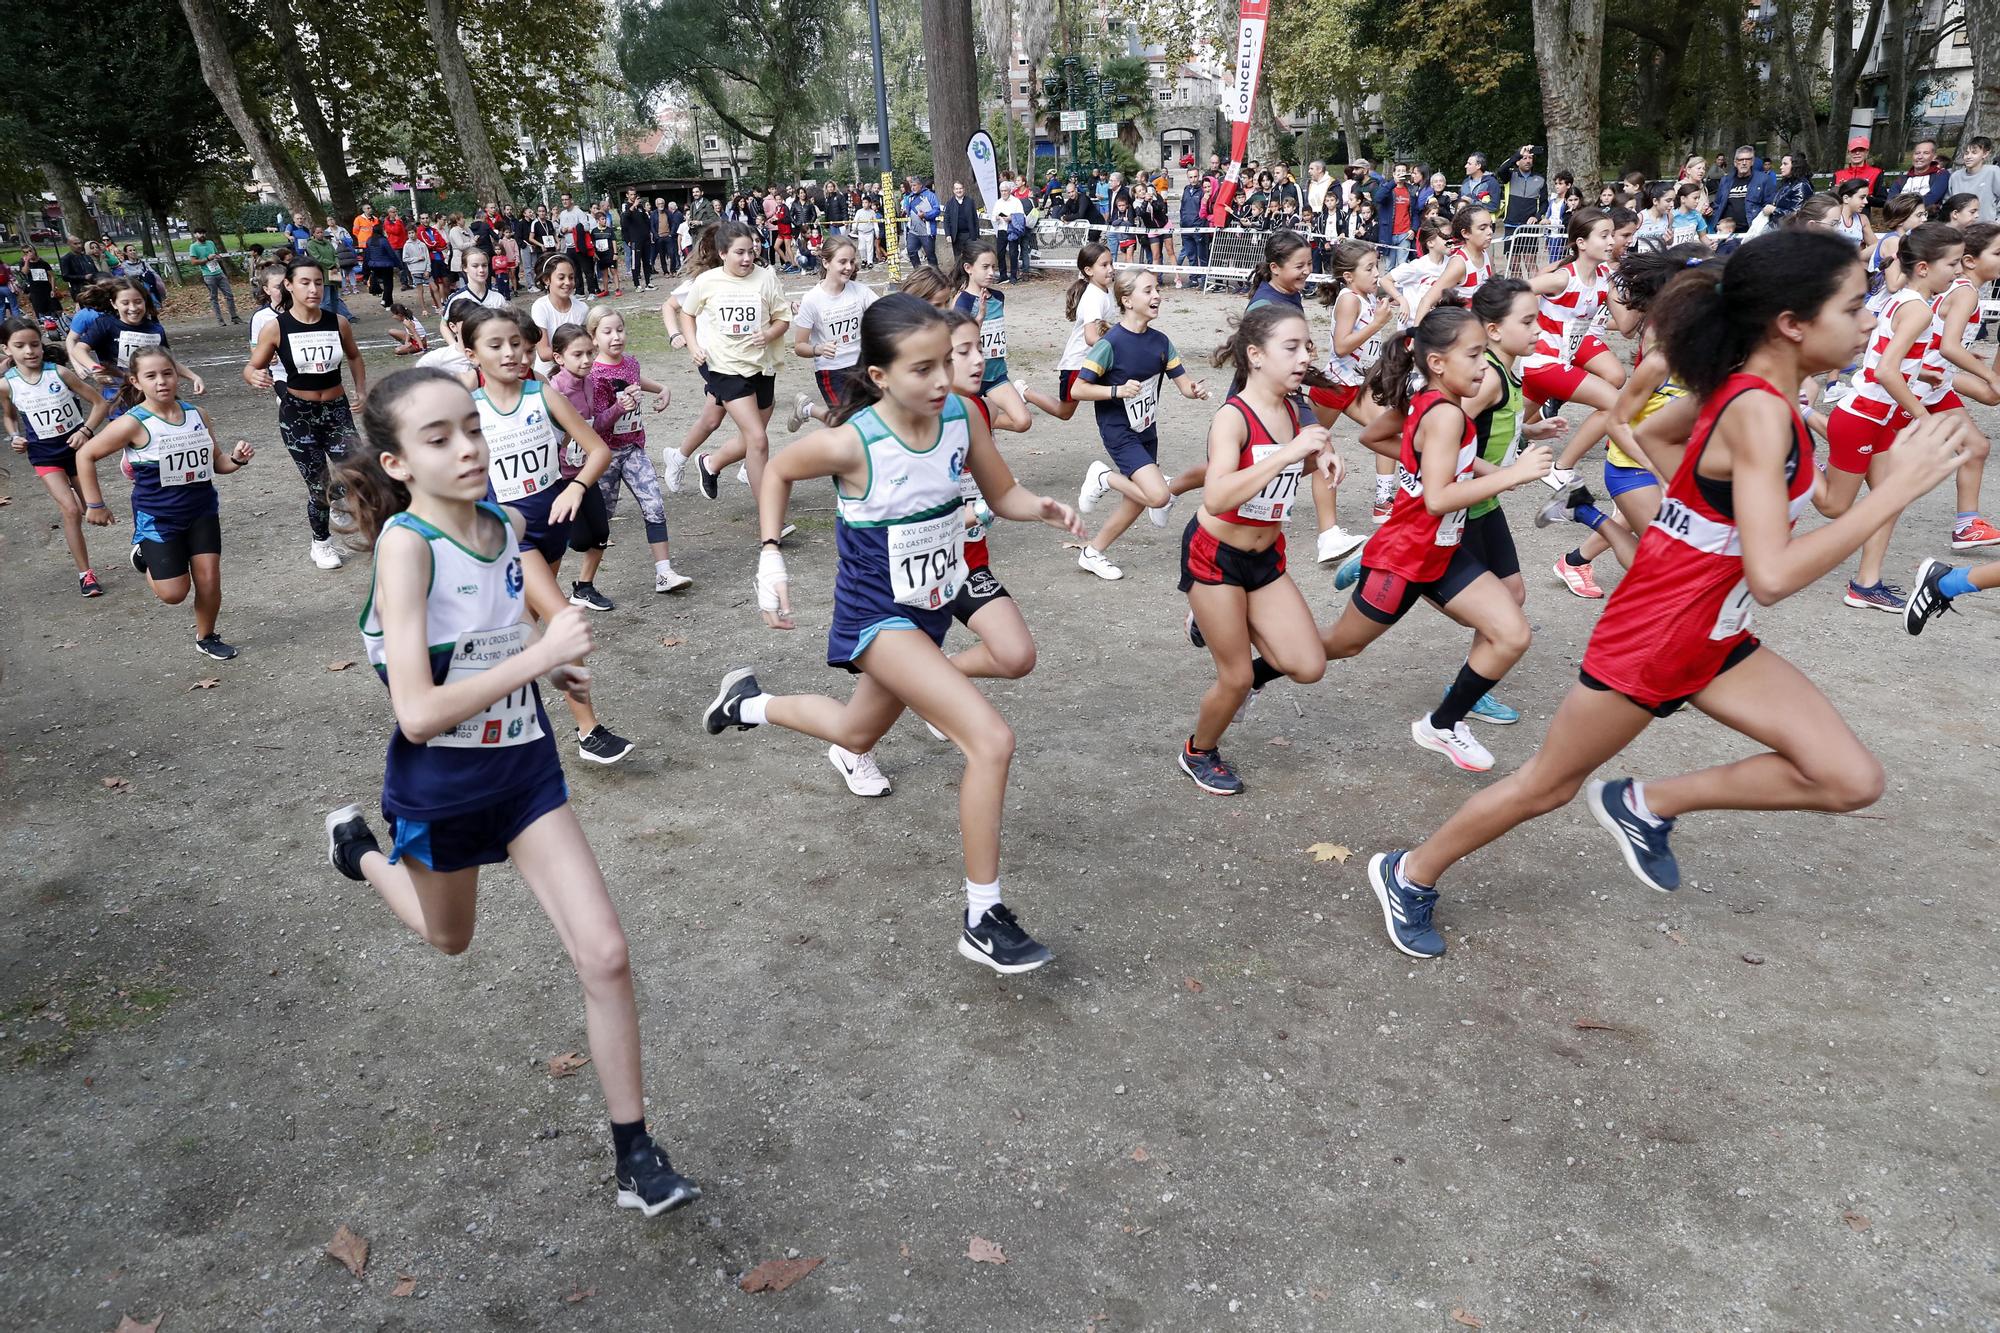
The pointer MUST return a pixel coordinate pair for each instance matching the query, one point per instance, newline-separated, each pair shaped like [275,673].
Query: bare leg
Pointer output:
[546,599]
[1599,396]
[439,908]
[69,504]
[1279,622]
[207,570]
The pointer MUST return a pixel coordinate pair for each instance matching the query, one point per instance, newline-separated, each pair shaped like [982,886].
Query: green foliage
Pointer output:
[611,174]
[910,148]
[842,168]
[679,160]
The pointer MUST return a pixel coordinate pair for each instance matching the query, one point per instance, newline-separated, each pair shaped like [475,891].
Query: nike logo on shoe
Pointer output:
[984,945]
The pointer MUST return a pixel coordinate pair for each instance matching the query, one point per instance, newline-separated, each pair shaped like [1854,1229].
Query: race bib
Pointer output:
[628,423]
[739,319]
[1451,527]
[1274,503]
[1142,409]
[130,342]
[315,353]
[521,464]
[187,463]
[1736,611]
[510,720]
[993,339]
[1574,333]
[572,455]
[927,560]
[58,415]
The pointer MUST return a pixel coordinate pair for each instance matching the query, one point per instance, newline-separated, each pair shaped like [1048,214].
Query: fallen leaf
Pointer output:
[1676,937]
[1139,1154]
[339,666]
[1194,987]
[351,1250]
[983,1251]
[205,683]
[671,642]
[905,1248]
[1281,742]
[117,784]
[1467,1318]
[61,646]
[778,1274]
[577,1295]
[405,1286]
[1330,851]
[126,1323]
[1856,1220]
[1754,959]
[562,1066]
[1595,1025]
[6,500]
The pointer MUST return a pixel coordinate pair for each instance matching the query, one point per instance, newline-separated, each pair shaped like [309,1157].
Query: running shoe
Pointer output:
[1489,709]
[588,597]
[1974,535]
[1456,745]
[1096,481]
[936,735]
[1927,603]
[600,745]
[1348,574]
[1578,579]
[706,477]
[742,474]
[1158,516]
[1094,560]
[1337,542]
[1380,514]
[87,584]
[1562,508]
[1406,908]
[213,646]
[324,555]
[670,580]
[673,465]
[347,838]
[1210,771]
[999,942]
[864,777]
[1644,844]
[1194,632]
[138,559]
[801,413]
[1884,596]
[726,710]
[647,1180]
[1552,409]
[1561,480]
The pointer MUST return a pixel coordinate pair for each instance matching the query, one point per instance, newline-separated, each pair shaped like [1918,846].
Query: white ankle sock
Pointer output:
[752,709]
[979,897]
[1635,797]
[663,566]
[1384,488]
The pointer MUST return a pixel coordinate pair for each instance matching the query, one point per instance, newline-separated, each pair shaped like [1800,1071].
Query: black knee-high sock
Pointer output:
[1262,673]
[1467,690]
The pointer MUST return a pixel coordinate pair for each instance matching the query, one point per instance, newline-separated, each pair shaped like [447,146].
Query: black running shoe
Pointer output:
[138,558]
[347,838]
[999,942]
[726,711]
[601,746]
[1194,632]
[708,479]
[87,584]
[212,646]
[587,596]
[1926,603]
[647,1180]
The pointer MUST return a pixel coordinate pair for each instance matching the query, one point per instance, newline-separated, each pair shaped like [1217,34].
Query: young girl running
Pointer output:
[1466,265]
[734,317]
[1361,316]
[1282,279]
[173,463]
[555,308]
[1123,375]
[897,456]
[314,420]
[522,425]
[1413,277]
[1887,397]
[979,296]
[827,330]
[46,419]
[590,530]
[1090,309]
[114,319]
[1570,363]
[615,383]
[1677,630]
[1950,362]
[472,776]
[1233,551]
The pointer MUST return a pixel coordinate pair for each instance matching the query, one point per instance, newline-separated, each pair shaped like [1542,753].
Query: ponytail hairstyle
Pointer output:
[1086,259]
[928,283]
[1850,187]
[1687,190]
[129,395]
[1927,244]
[1709,320]
[1281,246]
[1432,229]
[1255,329]
[1462,220]
[1979,238]
[704,256]
[370,496]
[554,262]
[1643,273]
[1581,223]
[884,327]
[1124,282]
[99,295]
[569,333]
[965,256]
[833,245]
[1899,210]
[1342,260]
[18,324]
[1494,300]
[1404,366]
[265,274]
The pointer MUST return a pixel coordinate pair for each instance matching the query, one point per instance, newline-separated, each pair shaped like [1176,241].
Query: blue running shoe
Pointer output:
[1489,709]
[1210,771]
[1406,909]
[1348,574]
[1882,597]
[1644,845]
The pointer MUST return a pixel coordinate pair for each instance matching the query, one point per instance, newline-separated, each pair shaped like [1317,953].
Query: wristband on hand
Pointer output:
[576,481]
[92,506]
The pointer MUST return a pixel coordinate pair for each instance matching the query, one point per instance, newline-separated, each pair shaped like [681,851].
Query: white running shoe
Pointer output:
[673,463]
[1456,745]
[935,733]
[801,413]
[325,556]
[1337,543]
[1096,482]
[671,581]
[1561,480]
[863,776]
[1158,516]
[743,473]
[1093,560]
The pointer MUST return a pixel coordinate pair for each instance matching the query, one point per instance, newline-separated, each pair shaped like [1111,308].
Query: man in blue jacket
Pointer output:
[1194,244]
[1742,192]
[1396,216]
[922,211]
[1481,186]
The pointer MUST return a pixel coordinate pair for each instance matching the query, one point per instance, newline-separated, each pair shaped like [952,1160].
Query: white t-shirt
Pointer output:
[567,223]
[1003,208]
[548,319]
[835,319]
[1410,278]
[447,357]
[1095,306]
[257,323]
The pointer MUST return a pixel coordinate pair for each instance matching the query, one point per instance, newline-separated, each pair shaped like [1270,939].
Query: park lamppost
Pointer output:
[1080,93]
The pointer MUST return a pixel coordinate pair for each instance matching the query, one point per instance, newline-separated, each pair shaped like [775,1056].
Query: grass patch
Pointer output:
[49,1028]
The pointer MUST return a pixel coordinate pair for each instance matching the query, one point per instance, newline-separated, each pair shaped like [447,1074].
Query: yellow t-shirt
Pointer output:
[1666,393]
[730,312]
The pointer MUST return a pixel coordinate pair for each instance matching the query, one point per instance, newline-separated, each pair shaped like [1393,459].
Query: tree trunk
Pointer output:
[328,151]
[159,216]
[1569,58]
[253,127]
[481,167]
[77,218]
[1982,23]
[1264,130]
[1353,127]
[1892,132]
[953,79]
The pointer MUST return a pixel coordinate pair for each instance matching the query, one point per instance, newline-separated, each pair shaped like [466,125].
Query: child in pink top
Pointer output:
[614,383]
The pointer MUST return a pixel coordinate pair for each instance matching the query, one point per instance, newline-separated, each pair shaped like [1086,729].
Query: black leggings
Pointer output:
[315,435]
[586,272]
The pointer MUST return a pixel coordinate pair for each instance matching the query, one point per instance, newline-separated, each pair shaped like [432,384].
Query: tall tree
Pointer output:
[252,124]
[328,150]
[1569,57]
[1799,31]
[78,220]
[1983,28]
[481,166]
[996,28]
[954,89]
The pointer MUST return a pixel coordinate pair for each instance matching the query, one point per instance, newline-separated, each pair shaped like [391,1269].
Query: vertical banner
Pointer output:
[985,170]
[892,230]
[1241,99]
